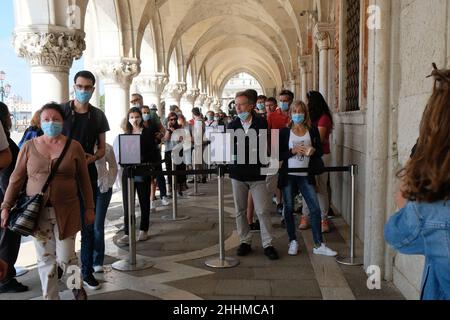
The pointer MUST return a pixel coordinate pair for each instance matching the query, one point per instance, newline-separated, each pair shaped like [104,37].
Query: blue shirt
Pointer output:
[424,229]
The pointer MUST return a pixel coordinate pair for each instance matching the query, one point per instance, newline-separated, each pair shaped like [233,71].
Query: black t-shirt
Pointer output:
[85,127]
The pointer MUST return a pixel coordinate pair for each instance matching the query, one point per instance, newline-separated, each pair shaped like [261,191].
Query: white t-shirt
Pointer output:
[299,161]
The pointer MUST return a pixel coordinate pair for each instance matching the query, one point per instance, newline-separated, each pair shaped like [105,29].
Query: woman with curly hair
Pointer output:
[422,225]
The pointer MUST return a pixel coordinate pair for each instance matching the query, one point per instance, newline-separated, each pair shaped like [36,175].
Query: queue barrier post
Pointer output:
[174,216]
[351,260]
[132,263]
[222,262]
[195,193]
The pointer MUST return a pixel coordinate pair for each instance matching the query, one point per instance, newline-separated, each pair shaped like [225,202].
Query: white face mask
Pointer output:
[135,122]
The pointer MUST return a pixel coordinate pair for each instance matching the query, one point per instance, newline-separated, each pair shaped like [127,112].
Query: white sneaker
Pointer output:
[125,240]
[98,269]
[143,236]
[325,251]
[293,248]
[164,201]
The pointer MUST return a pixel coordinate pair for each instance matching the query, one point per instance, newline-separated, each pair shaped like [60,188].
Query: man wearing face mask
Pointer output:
[137,101]
[246,177]
[261,106]
[87,125]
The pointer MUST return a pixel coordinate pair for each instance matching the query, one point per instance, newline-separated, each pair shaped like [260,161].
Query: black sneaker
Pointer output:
[271,253]
[280,209]
[13,286]
[203,180]
[283,223]
[244,249]
[90,282]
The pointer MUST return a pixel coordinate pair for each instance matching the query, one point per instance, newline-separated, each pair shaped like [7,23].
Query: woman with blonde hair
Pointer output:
[422,224]
[300,147]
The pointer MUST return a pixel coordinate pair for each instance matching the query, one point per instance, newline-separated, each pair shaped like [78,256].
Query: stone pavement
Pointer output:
[179,250]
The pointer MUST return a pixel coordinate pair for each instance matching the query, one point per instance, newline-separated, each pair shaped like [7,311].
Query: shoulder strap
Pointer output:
[55,168]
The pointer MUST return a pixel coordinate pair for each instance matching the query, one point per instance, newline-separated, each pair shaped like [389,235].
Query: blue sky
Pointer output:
[16,69]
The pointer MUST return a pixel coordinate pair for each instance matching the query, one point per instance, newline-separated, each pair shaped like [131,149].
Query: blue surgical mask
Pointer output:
[284,106]
[243,115]
[146,116]
[83,97]
[51,128]
[298,118]
[261,106]
[136,105]
[216,118]
[210,118]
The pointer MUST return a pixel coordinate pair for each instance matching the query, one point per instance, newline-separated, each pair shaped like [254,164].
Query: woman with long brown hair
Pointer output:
[422,225]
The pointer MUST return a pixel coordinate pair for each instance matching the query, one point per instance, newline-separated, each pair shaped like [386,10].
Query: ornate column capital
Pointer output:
[201,99]
[52,49]
[191,95]
[175,90]
[118,70]
[323,33]
[305,63]
[154,83]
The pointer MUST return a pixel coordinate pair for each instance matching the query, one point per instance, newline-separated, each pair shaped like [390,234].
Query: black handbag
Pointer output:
[24,216]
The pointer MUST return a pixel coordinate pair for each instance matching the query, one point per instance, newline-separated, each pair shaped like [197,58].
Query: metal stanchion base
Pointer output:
[170,218]
[222,264]
[349,261]
[124,265]
[20,271]
[196,194]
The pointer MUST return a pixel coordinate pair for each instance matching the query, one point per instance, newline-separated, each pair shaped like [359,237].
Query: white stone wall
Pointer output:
[348,147]
[424,32]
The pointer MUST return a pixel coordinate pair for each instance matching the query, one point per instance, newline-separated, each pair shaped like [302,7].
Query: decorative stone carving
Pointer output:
[154,84]
[192,95]
[199,102]
[50,49]
[324,33]
[120,71]
[175,91]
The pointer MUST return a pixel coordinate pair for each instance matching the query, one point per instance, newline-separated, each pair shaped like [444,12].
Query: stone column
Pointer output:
[208,103]
[323,40]
[188,101]
[378,110]
[305,75]
[117,75]
[151,87]
[172,94]
[50,56]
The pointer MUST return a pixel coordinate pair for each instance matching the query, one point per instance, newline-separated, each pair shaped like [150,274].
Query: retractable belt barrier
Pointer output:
[221,170]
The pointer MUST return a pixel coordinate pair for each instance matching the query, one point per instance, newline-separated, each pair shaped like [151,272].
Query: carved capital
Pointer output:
[323,34]
[50,49]
[118,71]
[192,95]
[201,99]
[175,90]
[154,84]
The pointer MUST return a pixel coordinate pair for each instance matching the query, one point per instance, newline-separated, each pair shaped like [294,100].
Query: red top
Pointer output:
[277,120]
[325,122]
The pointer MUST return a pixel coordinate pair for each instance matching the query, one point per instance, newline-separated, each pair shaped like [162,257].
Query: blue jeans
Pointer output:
[309,195]
[87,238]
[101,208]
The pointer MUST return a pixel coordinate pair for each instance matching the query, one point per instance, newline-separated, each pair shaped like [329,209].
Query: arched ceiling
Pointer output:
[213,37]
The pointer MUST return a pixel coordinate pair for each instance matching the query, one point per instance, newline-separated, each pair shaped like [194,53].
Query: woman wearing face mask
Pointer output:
[300,147]
[133,124]
[60,220]
[151,121]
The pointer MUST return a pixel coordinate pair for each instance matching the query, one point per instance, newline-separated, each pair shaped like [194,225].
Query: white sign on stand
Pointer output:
[129,149]
[220,147]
